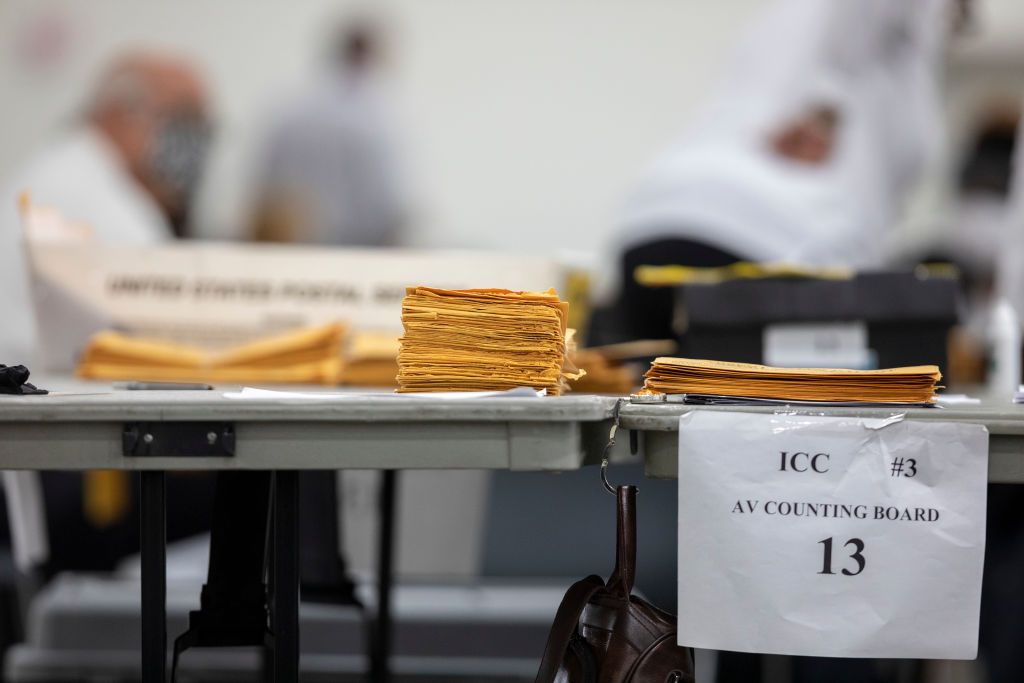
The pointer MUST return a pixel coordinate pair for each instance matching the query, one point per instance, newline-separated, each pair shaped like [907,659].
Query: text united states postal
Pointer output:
[831,536]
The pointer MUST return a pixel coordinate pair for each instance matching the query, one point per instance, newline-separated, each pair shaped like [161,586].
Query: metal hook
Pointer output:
[611,444]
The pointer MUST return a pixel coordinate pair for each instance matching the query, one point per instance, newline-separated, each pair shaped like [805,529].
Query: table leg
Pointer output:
[286,577]
[153,544]
[380,643]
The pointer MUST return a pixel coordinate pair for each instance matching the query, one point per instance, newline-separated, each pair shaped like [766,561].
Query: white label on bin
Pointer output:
[817,345]
[831,536]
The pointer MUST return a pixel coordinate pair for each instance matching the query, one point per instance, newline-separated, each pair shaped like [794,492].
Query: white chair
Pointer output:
[26,512]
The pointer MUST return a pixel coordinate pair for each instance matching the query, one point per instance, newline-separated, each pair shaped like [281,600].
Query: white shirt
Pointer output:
[876,63]
[332,156]
[83,177]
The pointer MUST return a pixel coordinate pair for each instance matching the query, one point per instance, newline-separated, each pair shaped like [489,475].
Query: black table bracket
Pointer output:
[178,439]
[251,596]
[233,608]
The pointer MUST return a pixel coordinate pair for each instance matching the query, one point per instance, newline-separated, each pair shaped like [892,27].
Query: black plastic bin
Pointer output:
[908,315]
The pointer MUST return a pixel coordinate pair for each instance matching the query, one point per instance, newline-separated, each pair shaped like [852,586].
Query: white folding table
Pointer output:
[153,432]
[659,427]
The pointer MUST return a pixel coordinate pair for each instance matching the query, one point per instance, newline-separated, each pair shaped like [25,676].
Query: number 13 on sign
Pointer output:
[857,556]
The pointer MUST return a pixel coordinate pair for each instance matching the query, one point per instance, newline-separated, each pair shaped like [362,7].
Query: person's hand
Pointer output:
[809,139]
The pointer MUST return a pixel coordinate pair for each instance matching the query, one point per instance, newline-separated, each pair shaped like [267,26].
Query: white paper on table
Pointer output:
[956,399]
[753,579]
[518,392]
[249,393]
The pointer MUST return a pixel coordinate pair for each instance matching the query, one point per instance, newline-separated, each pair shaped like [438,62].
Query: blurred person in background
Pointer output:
[127,169]
[329,168]
[805,153]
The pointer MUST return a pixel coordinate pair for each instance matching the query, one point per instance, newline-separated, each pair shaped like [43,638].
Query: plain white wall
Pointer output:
[527,120]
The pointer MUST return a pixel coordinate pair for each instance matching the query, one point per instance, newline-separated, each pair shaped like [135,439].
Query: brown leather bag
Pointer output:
[604,634]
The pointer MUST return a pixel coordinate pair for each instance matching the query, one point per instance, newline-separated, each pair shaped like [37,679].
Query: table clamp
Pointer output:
[606,455]
[178,439]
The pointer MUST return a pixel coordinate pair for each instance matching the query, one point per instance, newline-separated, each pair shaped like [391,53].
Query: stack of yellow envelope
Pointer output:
[483,340]
[371,359]
[604,375]
[614,368]
[305,356]
[895,385]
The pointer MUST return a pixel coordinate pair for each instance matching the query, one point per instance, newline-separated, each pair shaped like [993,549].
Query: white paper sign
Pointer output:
[217,295]
[831,536]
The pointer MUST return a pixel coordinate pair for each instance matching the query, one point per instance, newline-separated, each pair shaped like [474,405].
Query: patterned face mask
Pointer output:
[177,153]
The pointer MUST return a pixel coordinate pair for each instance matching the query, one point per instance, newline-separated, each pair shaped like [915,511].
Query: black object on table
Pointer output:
[14,380]
[907,314]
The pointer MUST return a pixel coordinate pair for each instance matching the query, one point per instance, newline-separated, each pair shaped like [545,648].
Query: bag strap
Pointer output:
[621,581]
[566,625]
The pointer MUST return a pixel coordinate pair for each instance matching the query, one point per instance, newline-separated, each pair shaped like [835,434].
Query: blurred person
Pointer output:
[329,170]
[805,153]
[127,169]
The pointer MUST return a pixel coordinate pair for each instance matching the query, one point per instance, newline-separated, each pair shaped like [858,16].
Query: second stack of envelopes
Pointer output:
[483,340]
[303,356]
[911,385]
